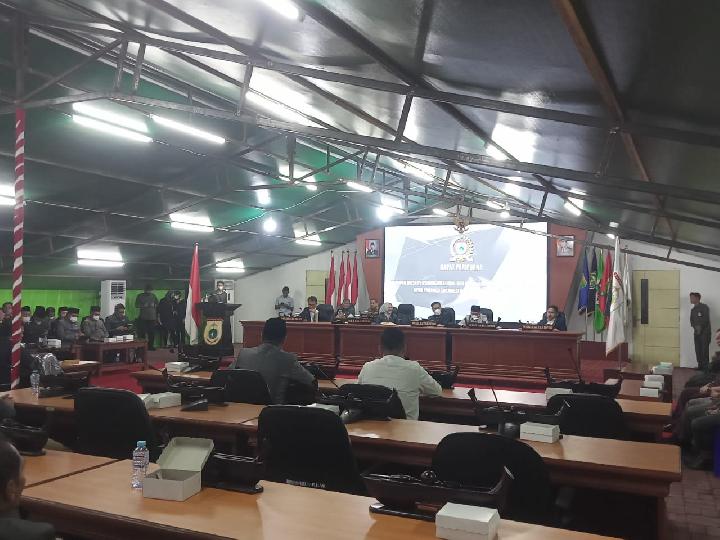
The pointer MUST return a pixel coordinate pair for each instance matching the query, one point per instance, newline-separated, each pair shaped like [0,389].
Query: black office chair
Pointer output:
[377,393]
[405,313]
[110,422]
[309,447]
[478,459]
[589,415]
[242,386]
[485,311]
[447,316]
[326,313]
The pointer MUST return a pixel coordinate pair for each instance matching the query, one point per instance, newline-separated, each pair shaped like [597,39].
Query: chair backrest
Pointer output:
[589,415]
[378,393]
[478,459]
[325,313]
[242,386]
[447,315]
[307,446]
[110,422]
[488,313]
[405,313]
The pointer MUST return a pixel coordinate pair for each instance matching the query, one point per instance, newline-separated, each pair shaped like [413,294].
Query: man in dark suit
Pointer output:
[553,317]
[700,322]
[278,367]
[12,482]
[310,313]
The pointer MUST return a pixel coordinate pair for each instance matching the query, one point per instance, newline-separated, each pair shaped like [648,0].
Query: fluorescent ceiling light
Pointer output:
[110,117]
[611,236]
[191,227]
[311,240]
[310,185]
[440,212]
[233,266]
[286,8]
[6,201]
[110,128]
[614,224]
[385,213]
[570,207]
[263,196]
[392,202]
[269,225]
[7,190]
[359,187]
[106,255]
[505,214]
[184,128]
[189,222]
[98,262]
[516,178]
[494,205]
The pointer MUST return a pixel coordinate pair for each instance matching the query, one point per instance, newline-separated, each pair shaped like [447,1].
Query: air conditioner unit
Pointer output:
[112,292]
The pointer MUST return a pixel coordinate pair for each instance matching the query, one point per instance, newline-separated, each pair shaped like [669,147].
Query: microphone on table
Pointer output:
[320,370]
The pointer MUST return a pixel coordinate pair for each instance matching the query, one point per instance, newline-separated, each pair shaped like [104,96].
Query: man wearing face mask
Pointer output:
[439,316]
[68,329]
[310,313]
[36,328]
[118,323]
[220,293]
[62,313]
[93,327]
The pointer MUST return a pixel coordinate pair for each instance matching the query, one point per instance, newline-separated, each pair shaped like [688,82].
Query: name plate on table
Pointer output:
[538,327]
[423,323]
[358,320]
[485,325]
[293,319]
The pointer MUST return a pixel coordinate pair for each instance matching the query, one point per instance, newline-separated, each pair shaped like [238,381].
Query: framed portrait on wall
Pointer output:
[372,248]
[565,246]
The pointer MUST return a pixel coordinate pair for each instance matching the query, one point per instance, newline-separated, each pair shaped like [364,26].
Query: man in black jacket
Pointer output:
[700,322]
[12,482]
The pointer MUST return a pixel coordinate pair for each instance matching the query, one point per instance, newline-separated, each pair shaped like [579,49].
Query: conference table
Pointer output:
[103,505]
[95,350]
[635,468]
[512,355]
[57,464]
[454,405]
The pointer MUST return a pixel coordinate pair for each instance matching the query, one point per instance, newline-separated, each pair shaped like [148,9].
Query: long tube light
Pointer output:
[440,212]
[180,225]
[184,128]
[286,8]
[109,117]
[359,187]
[110,128]
[494,205]
[99,262]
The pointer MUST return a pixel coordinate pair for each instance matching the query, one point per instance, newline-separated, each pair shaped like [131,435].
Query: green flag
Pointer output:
[599,320]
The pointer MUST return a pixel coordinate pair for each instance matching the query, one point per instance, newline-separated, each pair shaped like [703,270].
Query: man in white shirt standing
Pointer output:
[284,304]
[406,376]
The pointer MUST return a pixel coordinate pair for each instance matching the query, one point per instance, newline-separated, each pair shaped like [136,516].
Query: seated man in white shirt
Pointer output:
[406,376]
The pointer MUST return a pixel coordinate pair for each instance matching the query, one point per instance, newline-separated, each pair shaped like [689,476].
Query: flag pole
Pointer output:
[18,232]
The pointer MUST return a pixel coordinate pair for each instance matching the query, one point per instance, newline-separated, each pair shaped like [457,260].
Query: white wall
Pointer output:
[257,293]
[706,282]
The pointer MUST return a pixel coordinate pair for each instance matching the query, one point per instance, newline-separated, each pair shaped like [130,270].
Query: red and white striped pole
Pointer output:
[18,226]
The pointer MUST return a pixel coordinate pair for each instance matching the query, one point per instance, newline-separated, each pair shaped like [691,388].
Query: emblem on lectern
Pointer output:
[213,331]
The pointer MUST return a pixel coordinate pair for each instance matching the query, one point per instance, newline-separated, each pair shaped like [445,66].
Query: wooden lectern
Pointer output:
[216,333]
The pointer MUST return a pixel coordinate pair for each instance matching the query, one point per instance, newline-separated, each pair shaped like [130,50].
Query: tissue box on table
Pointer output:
[464,522]
[179,475]
[161,400]
[176,366]
[533,431]
[649,392]
[550,392]
[653,384]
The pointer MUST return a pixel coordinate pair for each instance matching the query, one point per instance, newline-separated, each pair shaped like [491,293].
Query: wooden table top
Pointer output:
[660,461]
[659,412]
[231,414]
[55,464]
[103,344]
[103,497]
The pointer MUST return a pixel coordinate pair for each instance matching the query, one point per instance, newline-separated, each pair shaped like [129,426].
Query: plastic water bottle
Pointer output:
[35,382]
[141,458]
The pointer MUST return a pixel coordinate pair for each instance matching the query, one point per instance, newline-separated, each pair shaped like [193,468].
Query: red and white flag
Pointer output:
[348,278]
[354,288]
[331,281]
[341,281]
[192,313]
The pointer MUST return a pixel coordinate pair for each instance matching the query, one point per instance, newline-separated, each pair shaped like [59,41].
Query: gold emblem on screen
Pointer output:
[461,250]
